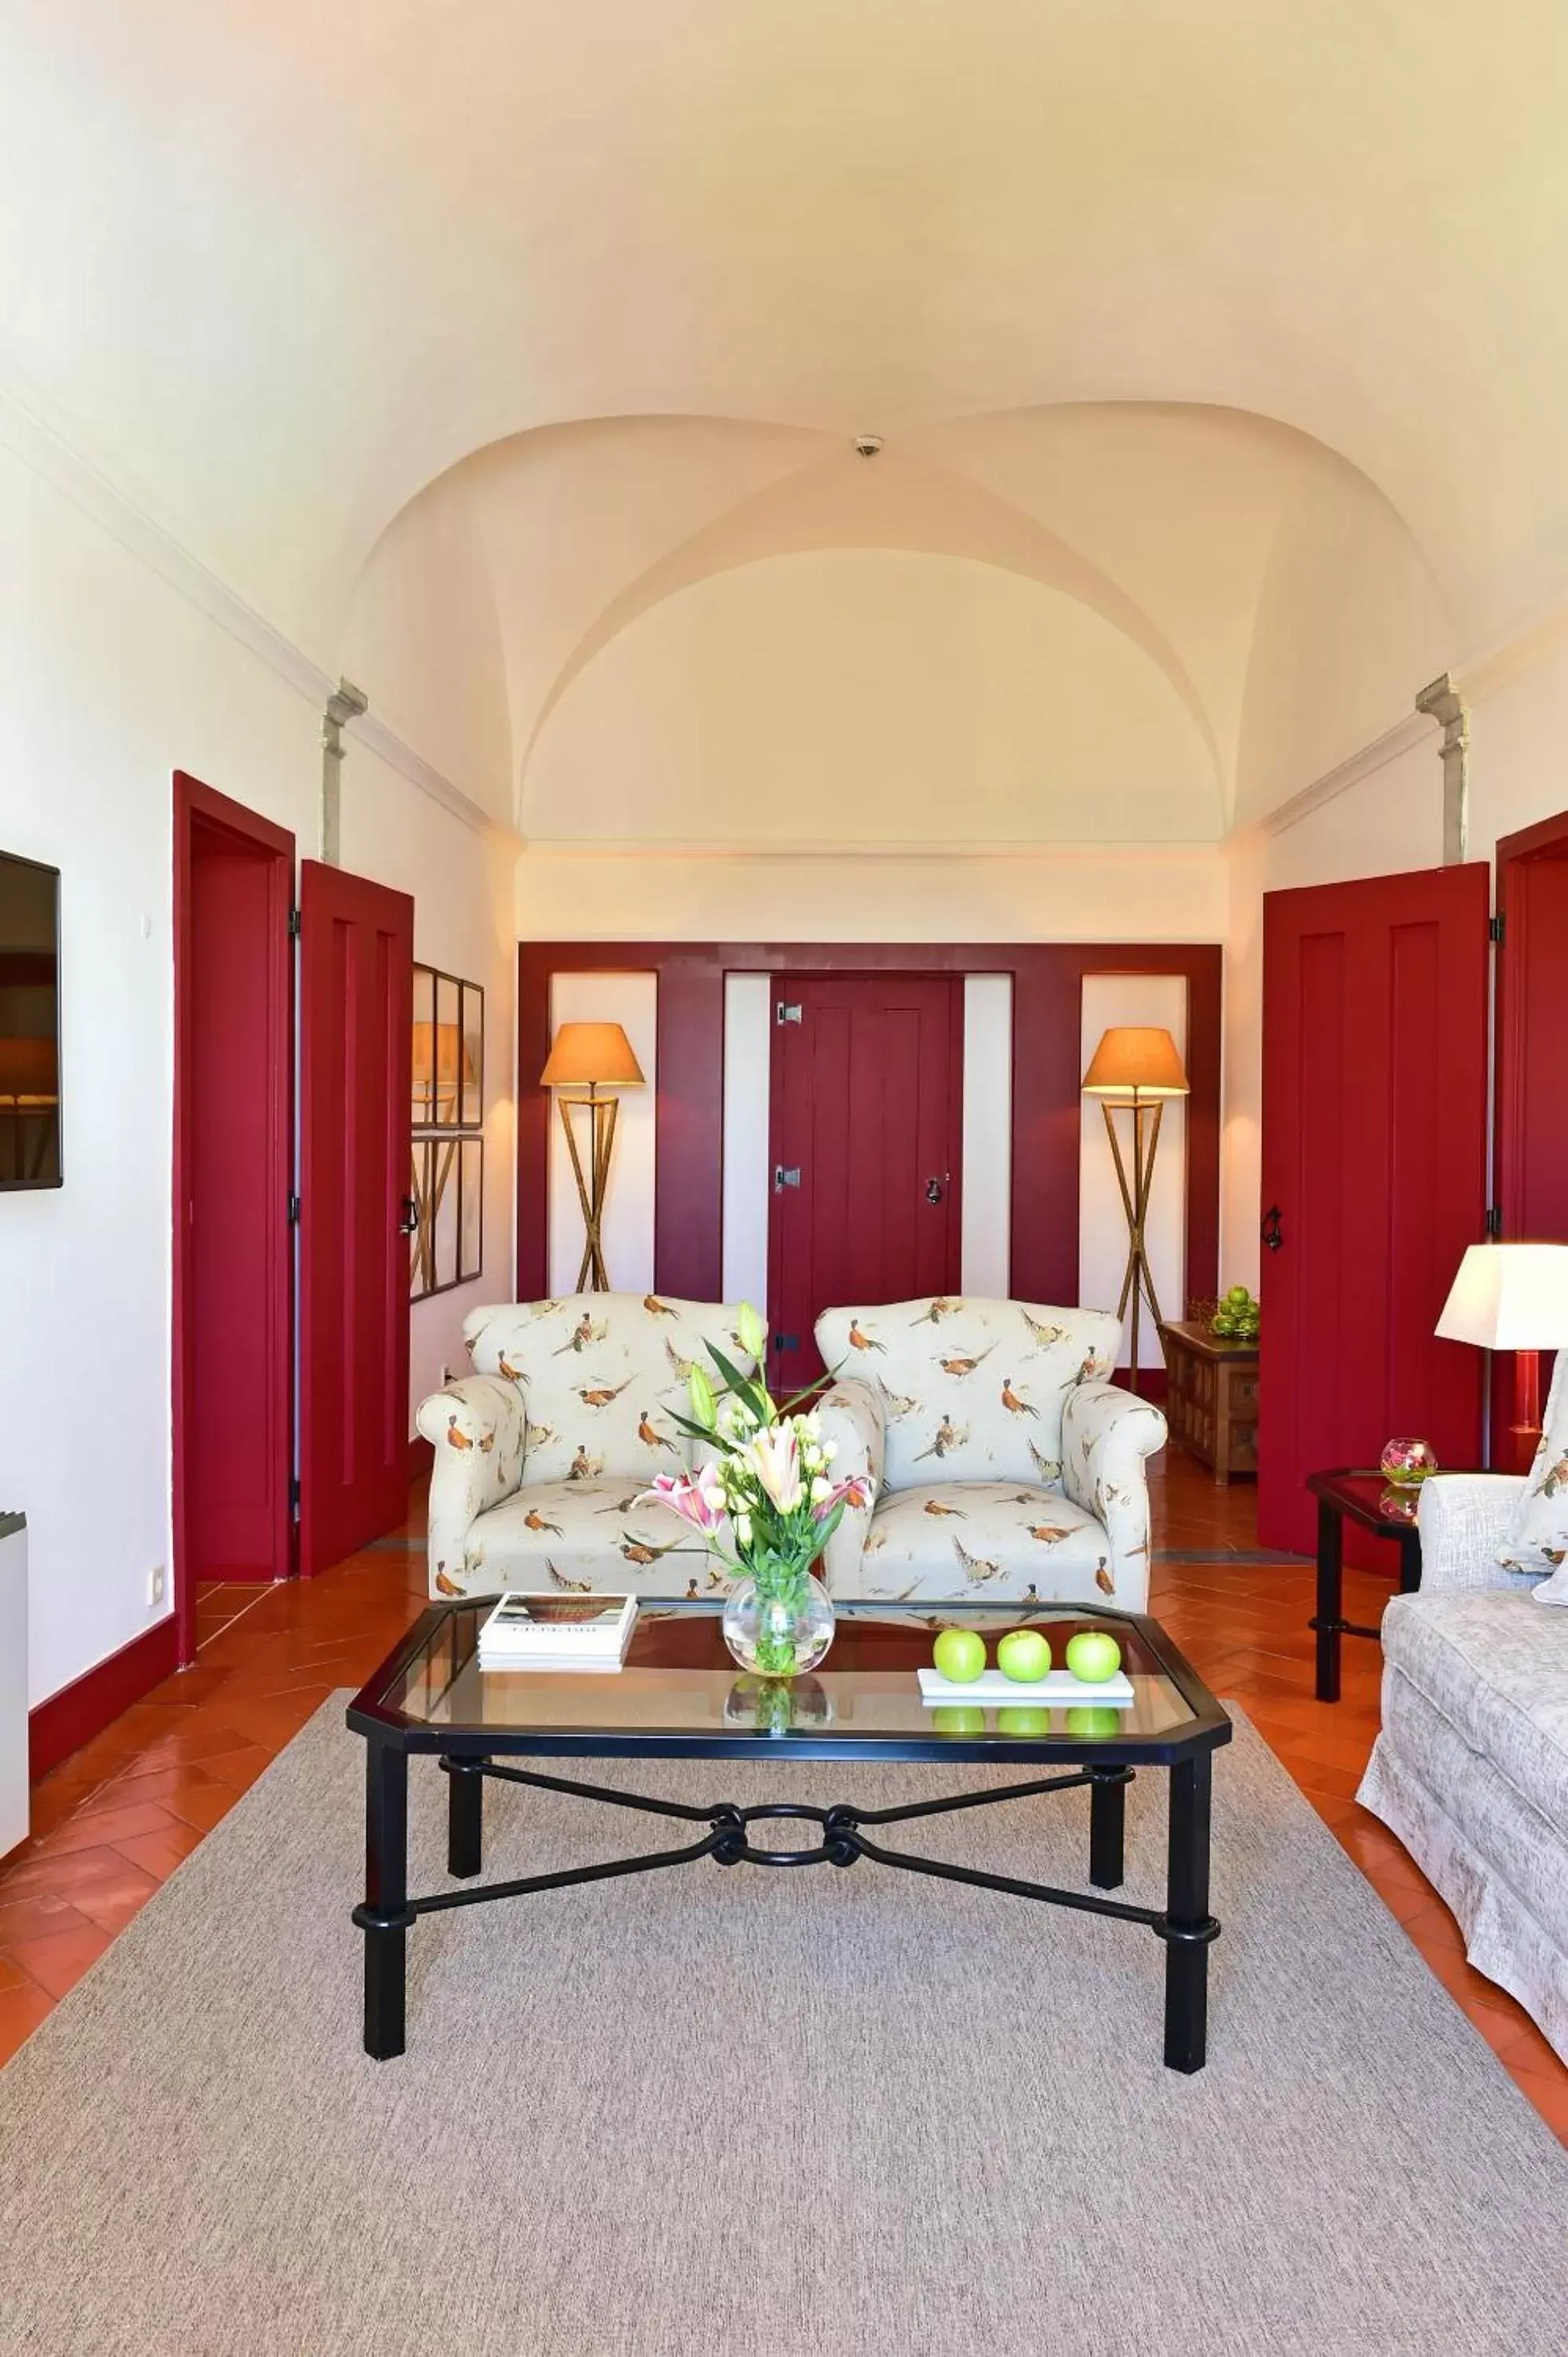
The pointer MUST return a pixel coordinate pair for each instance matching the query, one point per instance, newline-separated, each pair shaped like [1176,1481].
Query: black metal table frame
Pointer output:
[469,1756]
[1328,1623]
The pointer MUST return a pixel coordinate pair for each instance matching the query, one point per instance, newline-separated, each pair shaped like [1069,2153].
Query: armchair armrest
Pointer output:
[1464,1519]
[477,1427]
[852,1415]
[1106,1435]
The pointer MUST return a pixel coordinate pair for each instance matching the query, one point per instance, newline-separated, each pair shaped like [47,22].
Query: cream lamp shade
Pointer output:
[591,1054]
[1509,1298]
[1134,1061]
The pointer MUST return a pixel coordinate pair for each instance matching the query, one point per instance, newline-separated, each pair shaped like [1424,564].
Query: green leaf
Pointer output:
[755,1395]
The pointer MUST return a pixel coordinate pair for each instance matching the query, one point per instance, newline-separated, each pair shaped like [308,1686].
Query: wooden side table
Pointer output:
[1361,1496]
[1212,1404]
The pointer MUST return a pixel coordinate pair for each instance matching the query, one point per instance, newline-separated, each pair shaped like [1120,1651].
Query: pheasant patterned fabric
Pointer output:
[985,1543]
[1539,1539]
[1012,1467]
[972,1391]
[566,1419]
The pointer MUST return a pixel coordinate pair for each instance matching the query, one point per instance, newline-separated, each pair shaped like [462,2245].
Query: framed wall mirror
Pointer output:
[446,1107]
[29,1024]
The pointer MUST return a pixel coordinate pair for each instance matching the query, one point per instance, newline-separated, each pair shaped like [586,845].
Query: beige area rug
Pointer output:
[729,2112]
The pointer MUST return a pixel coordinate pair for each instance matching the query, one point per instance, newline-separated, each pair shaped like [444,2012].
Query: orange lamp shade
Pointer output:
[1136,1061]
[453,1058]
[588,1055]
[28,1069]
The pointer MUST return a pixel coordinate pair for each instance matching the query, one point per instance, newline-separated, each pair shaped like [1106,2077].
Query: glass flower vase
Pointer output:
[779,1623]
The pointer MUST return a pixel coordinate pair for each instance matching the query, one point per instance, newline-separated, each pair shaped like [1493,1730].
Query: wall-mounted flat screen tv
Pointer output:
[29,1024]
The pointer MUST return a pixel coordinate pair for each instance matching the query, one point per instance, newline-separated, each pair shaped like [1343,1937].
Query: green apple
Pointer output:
[958,1718]
[1023,1718]
[1093,1718]
[1023,1655]
[1093,1655]
[960,1654]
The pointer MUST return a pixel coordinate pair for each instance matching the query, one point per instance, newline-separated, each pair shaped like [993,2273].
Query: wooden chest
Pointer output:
[1212,1404]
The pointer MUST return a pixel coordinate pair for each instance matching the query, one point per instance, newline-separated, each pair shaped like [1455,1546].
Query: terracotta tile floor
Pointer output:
[112,1822]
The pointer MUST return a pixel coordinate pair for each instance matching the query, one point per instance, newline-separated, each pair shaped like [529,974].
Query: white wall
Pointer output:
[1022,894]
[113,679]
[631,1000]
[747,1181]
[987,1203]
[1144,998]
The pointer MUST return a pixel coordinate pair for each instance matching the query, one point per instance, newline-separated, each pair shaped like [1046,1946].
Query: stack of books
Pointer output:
[557,1633]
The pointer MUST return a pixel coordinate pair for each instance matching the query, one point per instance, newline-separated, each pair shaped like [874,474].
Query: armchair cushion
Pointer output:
[973,1390]
[581,1534]
[1539,1539]
[476,1429]
[984,1542]
[599,1372]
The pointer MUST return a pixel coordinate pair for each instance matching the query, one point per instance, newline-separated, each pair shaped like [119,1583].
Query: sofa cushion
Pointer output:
[973,1388]
[1496,1666]
[982,1541]
[1539,1539]
[585,1534]
[599,1374]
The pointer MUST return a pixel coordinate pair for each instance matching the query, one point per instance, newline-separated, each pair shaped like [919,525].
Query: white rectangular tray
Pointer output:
[1056,1685]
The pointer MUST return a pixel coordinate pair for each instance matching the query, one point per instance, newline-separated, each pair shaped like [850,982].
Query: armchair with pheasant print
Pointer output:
[1013,1470]
[543,1453]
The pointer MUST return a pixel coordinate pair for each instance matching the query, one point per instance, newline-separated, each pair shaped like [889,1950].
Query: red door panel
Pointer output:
[1374,1152]
[1531,1128]
[356,1003]
[867,1089]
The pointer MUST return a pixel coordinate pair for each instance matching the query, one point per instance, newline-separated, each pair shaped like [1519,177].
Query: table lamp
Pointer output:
[1137,1065]
[595,1057]
[1512,1297]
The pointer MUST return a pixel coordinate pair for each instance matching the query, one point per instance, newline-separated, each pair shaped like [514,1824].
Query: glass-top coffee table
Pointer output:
[679,1696]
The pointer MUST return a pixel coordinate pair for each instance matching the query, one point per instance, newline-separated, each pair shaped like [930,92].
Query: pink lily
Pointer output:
[853,1493]
[698,1498]
[774,1456]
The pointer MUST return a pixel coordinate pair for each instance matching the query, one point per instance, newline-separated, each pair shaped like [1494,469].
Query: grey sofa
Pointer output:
[1471,1767]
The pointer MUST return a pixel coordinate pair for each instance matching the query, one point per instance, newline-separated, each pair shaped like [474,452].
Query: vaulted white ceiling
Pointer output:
[1175,312]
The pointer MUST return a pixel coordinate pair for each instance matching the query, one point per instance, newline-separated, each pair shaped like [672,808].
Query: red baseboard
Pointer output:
[66,1720]
[1154,1383]
[421,1459]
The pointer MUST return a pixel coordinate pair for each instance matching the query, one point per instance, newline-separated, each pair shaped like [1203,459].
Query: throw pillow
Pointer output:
[1539,1539]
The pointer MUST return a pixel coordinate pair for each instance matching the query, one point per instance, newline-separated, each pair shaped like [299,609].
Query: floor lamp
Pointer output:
[1511,1297]
[1139,1066]
[595,1057]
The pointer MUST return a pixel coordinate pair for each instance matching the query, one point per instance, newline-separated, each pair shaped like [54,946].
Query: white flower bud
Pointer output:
[820,1488]
[830,1450]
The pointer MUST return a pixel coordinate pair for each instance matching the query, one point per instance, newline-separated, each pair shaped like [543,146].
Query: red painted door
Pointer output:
[356,1012]
[866,1146]
[233,1160]
[1532,1119]
[1374,1160]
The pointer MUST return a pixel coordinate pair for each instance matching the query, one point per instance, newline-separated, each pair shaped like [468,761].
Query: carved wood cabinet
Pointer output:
[1212,1406]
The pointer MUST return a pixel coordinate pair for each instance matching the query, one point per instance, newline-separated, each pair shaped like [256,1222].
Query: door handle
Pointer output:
[1272,1239]
[409,1224]
[937,1188]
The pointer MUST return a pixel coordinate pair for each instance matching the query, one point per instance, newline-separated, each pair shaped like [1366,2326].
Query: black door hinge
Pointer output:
[294,1210]
[1494,1219]
[1495,929]
[784,1012]
[294,1496]
[783,1342]
[294,924]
